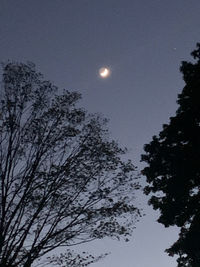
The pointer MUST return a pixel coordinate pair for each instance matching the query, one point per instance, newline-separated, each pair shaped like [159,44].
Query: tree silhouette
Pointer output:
[173,171]
[62,180]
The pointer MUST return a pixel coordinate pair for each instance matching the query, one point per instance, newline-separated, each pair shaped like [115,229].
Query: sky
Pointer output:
[143,43]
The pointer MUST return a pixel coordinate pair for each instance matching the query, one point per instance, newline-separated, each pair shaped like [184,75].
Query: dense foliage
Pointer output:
[62,180]
[173,171]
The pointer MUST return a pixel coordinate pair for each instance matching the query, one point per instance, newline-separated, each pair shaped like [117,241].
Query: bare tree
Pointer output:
[62,180]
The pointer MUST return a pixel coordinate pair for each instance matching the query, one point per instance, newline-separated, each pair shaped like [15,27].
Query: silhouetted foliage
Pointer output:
[70,258]
[173,171]
[62,180]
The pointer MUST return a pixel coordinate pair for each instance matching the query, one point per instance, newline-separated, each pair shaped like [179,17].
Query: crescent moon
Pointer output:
[104,72]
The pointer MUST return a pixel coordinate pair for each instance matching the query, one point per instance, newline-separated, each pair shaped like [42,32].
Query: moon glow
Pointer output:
[104,72]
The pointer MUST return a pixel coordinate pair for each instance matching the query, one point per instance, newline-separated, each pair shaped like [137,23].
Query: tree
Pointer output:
[62,179]
[173,171]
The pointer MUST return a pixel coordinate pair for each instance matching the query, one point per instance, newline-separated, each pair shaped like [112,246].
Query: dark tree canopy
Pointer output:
[173,171]
[62,180]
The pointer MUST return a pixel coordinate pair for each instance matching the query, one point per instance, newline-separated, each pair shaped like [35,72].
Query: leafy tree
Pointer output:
[62,180]
[173,171]
[72,259]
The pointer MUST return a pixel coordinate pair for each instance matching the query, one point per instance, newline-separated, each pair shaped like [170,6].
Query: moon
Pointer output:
[104,72]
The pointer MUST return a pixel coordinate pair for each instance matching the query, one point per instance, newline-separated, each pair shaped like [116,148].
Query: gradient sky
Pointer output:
[143,42]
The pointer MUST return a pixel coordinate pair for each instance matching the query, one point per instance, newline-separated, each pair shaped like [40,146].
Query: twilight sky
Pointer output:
[143,42]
